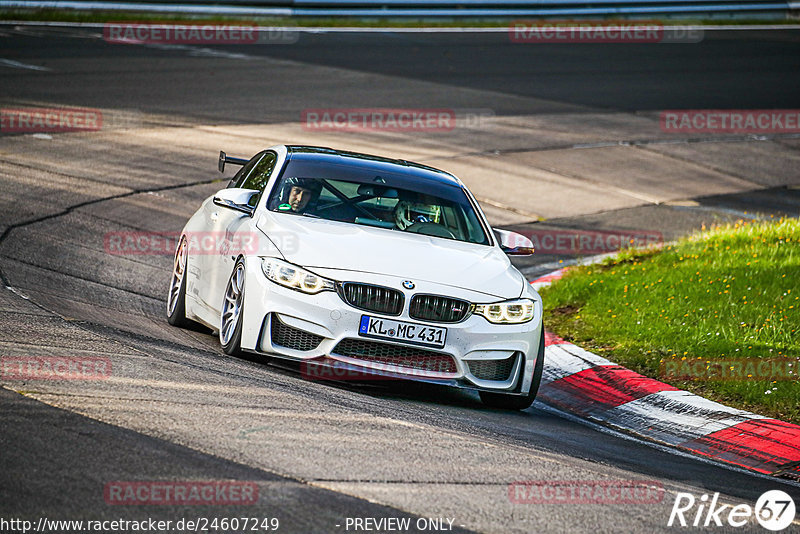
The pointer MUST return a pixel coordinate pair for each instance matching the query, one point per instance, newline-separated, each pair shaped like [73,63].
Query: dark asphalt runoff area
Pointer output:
[177,409]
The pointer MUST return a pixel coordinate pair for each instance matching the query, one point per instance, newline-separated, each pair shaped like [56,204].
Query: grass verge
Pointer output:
[701,314]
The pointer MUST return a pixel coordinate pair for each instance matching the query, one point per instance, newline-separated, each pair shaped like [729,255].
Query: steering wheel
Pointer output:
[429,228]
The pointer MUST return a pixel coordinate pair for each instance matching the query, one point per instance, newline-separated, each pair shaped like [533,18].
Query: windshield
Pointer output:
[392,202]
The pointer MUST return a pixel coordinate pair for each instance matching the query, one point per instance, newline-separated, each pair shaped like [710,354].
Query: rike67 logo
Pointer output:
[774,510]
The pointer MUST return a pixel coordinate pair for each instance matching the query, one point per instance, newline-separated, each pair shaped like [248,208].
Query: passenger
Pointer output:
[406,214]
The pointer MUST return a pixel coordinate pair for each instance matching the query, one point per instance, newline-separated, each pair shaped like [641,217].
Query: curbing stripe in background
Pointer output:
[589,386]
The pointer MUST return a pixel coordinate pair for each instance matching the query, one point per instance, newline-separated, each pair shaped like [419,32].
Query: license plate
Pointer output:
[431,336]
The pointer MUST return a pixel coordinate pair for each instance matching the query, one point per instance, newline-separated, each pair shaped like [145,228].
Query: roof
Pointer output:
[370,163]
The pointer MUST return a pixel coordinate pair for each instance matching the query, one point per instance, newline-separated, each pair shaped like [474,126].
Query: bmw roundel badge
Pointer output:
[408,284]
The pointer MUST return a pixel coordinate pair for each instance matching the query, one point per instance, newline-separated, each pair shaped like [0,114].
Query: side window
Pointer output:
[239,177]
[255,174]
[259,177]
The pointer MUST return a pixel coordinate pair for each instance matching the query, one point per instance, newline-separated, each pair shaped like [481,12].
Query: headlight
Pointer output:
[294,277]
[511,312]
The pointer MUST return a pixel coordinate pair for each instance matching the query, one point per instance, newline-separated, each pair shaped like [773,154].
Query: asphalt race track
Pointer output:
[566,133]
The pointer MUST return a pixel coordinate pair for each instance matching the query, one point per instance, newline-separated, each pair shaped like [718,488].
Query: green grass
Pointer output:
[726,293]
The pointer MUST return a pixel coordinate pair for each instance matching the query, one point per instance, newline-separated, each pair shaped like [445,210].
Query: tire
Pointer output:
[231,319]
[176,297]
[515,402]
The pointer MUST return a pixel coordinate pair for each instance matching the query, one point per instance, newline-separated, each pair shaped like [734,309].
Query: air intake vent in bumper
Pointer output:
[398,355]
[499,370]
[293,338]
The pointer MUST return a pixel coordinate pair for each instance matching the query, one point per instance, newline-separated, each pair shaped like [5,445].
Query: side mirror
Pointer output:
[237,199]
[514,244]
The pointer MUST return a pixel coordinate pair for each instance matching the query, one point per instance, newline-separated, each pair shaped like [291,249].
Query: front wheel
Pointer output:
[176,298]
[515,402]
[230,331]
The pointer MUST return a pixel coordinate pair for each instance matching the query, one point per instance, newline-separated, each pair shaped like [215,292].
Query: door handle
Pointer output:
[215,216]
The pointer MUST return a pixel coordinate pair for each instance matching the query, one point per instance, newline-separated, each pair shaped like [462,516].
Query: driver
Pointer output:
[297,193]
[408,213]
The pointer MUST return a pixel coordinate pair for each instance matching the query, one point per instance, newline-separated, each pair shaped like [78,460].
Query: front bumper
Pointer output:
[322,331]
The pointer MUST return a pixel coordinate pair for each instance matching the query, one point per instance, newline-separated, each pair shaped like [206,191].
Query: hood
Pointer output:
[317,243]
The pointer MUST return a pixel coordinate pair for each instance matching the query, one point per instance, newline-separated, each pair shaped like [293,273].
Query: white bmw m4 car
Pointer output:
[349,261]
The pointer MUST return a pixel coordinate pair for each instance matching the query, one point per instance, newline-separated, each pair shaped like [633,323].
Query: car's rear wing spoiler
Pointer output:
[224,158]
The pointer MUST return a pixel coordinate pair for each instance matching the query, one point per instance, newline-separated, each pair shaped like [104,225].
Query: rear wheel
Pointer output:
[230,331]
[176,298]
[517,402]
